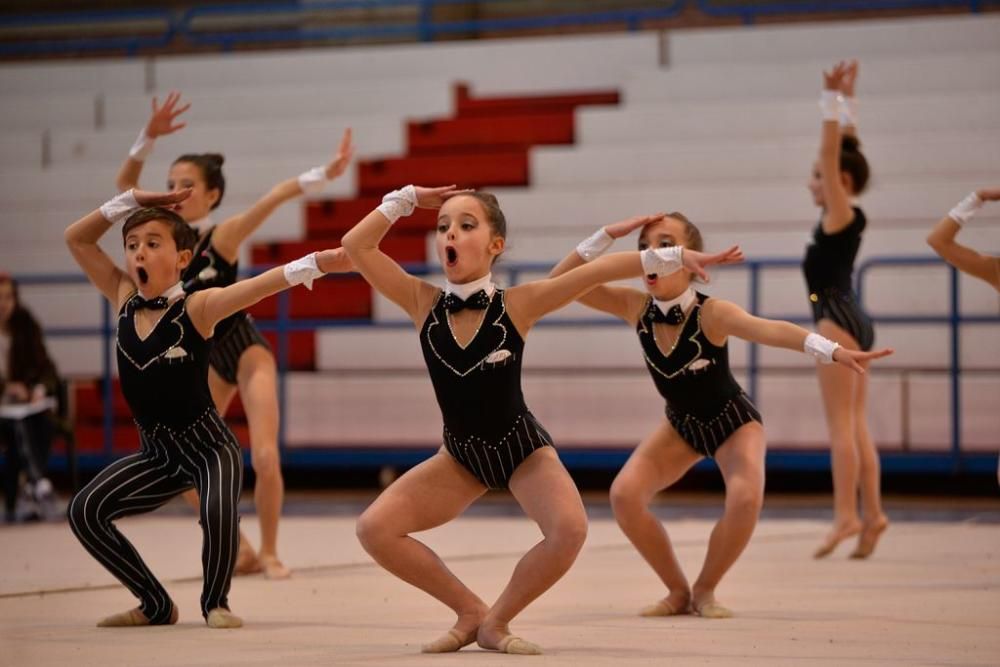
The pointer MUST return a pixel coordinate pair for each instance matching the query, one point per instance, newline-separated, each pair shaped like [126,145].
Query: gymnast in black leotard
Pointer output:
[683,335]
[472,335]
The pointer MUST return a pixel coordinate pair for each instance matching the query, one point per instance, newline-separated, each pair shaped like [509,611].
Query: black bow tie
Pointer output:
[156,303]
[674,315]
[477,301]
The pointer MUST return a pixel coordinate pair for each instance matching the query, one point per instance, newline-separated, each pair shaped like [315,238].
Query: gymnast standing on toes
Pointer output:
[163,348]
[839,176]
[240,358]
[472,336]
[683,335]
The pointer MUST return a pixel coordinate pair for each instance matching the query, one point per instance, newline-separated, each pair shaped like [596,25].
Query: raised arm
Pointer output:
[83,235]
[529,302]
[413,295]
[231,233]
[724,318]
[838,212]
[622,302]
[849,103]
[208,307]
[963,258]
[160,123]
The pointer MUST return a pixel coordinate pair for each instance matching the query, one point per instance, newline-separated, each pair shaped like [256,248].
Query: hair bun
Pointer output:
[217,158]
[850,143]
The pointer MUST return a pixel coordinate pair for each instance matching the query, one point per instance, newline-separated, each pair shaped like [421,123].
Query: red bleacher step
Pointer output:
[490,133]
[347,297]
[333,218]
[411,247]
[494,168]
[467,105]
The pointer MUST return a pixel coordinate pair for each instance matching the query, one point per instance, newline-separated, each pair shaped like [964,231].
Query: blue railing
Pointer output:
[173,28]
[955,460]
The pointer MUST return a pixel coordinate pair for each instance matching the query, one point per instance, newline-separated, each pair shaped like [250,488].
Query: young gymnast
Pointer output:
[240,358]
[683,334]
[163,348]
[472,335]
[839,175]
[963,258]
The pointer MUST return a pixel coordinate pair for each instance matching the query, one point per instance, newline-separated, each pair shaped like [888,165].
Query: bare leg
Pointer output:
[741,460]
[548,496]
[659,461]
[837,385]
[429,495]
[258,384]
[874,520]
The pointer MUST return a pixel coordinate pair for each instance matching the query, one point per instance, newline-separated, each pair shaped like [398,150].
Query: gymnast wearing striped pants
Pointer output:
[163,343]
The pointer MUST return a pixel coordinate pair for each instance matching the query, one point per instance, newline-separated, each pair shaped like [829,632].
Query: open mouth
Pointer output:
[651,278]
[143,276]
[450,256]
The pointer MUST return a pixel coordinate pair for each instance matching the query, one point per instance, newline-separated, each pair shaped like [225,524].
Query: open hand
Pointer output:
[617,230]
[848,80]
[144,198]
[162,120]
[696,262]
[853,358]
[989,194]
[345,152]
[435,197]
[834,79]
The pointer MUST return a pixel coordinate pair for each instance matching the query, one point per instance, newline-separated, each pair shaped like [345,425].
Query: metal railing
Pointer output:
[194,26]
[955,460]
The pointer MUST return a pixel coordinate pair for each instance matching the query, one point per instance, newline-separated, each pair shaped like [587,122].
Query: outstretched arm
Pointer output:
[83,235]
[529,302]
[838,213]
[230,234]
[724,318]
[963,258]
[849,103]
[413,295]
[622,302]
[208,307]
[160,123]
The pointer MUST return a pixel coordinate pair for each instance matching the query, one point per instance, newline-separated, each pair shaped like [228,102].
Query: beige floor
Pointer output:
[930,596]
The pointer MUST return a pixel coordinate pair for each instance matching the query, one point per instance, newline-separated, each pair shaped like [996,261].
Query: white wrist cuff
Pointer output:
[398,203]
[849,112]
[821,348]
[662,261]
[313,180]
[119,207]
[595,245]
[142,147]
[303,271]
[830,104]
[966,209]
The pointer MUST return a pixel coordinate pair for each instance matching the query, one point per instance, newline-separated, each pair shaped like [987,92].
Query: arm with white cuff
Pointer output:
[303,271]
[820,348]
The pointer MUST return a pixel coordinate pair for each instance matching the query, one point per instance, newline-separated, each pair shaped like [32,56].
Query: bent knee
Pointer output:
[626,498]
[370,531]
[265,461]
[746,501]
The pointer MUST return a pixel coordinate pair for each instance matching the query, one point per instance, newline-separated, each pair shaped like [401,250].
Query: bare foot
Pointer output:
[870,534]
[706,606]
[246,558]
[836,536]
[674,604]
[500,639]
[462,634]
[221,618]
[134,618]
[273,567]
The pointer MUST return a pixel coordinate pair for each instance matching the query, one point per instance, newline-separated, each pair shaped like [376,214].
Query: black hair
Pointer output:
[853,161]
[210,165]
[185,236]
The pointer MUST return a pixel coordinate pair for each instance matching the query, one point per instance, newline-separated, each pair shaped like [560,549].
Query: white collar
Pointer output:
[173,294]
[202,222]
[684,300]
[465,290]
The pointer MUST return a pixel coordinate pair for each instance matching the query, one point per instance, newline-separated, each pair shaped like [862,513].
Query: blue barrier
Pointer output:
[956,460]
[131,44]
[748,12]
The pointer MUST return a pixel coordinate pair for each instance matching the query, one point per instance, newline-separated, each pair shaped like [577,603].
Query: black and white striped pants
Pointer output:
[493,461]
[204,456]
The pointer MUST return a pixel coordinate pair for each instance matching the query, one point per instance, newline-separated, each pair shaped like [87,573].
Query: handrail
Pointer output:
[748,12]
[958,459]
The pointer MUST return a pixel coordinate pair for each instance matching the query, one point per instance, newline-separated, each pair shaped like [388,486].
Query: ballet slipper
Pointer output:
[134,618]
[273,568]
[661,608]
[221,618]
[450,642]
[516,646]
[834,539]
[246,560]
[870,535]
[712,609]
